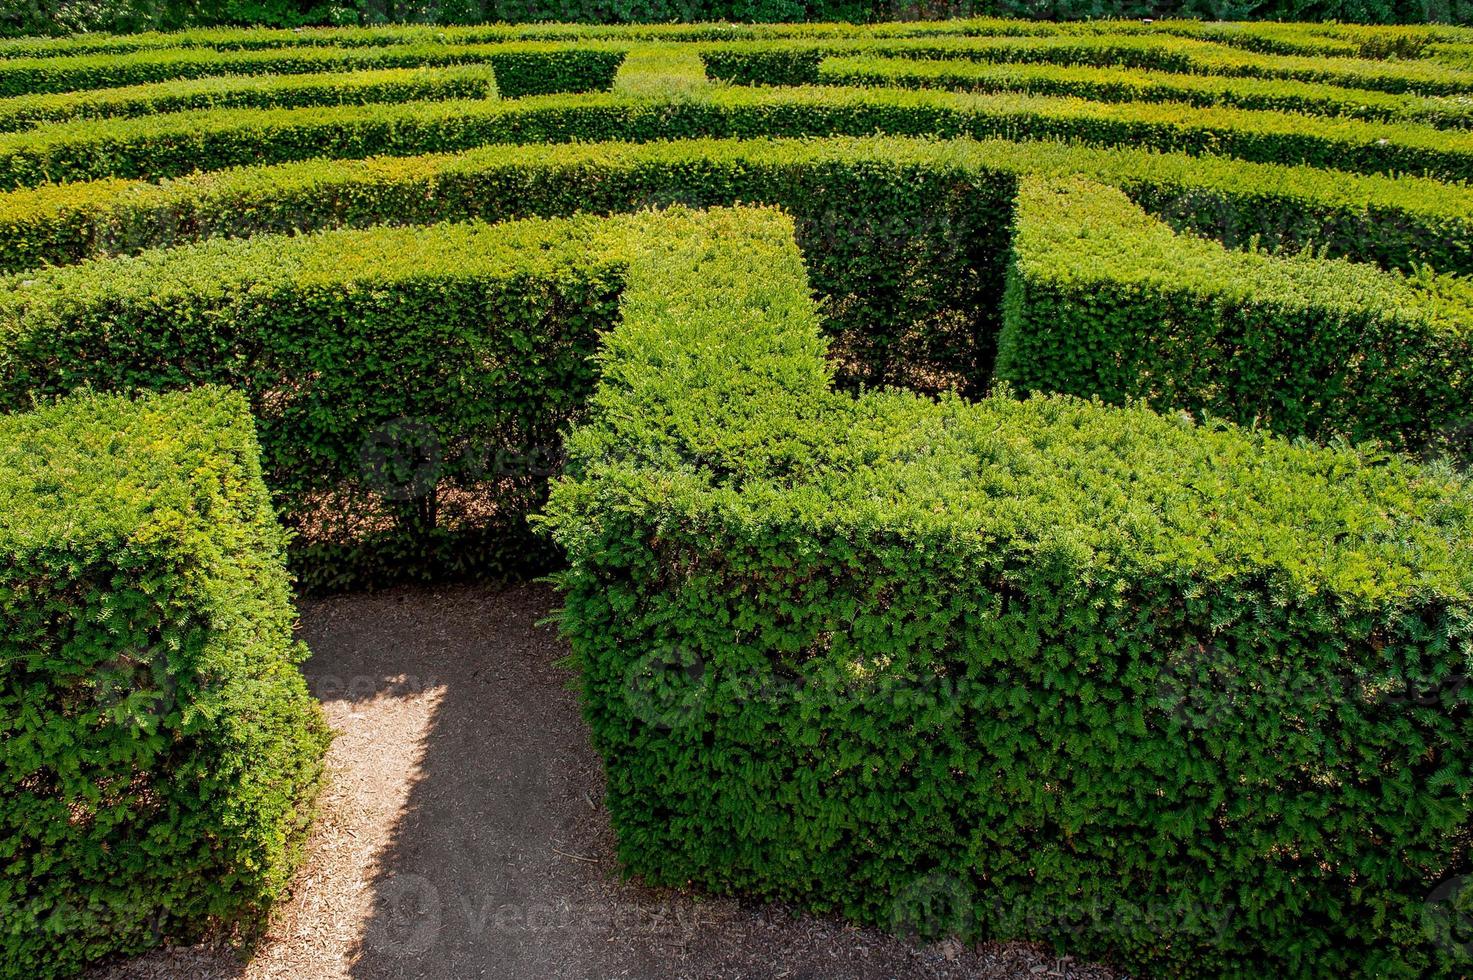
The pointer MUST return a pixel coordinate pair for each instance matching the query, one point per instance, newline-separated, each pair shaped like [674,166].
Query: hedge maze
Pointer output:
[1006,479]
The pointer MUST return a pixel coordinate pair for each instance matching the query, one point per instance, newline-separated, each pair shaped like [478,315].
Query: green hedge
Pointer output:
[763,66]
[533,71]
[1396,222]
[1344,39]
[409,383]
[521,69]
[1163,53]
[180,143]
[1104,300]
[333,88]
[161,752]
[869,212]
[1047,670]
[1124,85]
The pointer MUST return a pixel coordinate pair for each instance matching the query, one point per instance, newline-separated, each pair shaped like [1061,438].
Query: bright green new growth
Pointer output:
[161,751]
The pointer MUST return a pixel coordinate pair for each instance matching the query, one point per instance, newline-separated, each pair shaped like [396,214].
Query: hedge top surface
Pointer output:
[20,110]
[372,257]
[104,470]
[1129,491]
[716,400]
[1114,492]
[1107,239]
[1344,39]
[90,149]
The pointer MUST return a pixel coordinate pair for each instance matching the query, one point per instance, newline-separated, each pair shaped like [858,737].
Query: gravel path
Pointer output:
[462,834]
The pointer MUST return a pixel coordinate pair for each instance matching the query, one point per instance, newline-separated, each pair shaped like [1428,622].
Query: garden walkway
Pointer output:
[463,835]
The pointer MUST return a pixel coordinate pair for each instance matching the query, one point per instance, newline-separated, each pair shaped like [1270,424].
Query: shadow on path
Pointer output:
[501,861]
[462,833]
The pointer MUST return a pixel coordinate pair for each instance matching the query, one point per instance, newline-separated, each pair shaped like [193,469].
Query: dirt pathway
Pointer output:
[463,834]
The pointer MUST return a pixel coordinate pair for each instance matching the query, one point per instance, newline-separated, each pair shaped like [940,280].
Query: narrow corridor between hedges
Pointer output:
[463,835]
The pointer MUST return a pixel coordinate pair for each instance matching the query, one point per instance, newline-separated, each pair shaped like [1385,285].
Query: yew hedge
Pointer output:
[1104,300]
[521,69]
[1129,85]
[1187,696]
[794,61]
[331,88]
[409,384]
[870,213]
[161,753]
[180,143]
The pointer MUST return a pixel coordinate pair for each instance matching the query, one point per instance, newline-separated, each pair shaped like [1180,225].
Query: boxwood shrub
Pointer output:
[161,752]
[1043,669]
[1104,300]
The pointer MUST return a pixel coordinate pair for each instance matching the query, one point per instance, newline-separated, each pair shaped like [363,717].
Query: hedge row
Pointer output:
[332,88]
[161,751]
[409,383]
[1266,38]
[521,69]
[794,61]
[1047,670]
[180,143]
[870,212]
[1125,85]
[1396,222]
[1105,301]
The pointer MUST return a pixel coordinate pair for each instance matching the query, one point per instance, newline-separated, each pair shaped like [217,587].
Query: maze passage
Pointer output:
[1006,479]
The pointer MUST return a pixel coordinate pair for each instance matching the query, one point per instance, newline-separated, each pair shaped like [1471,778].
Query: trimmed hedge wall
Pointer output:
[521,69]
[333,88]
[991,668]
[1340,40]
[1126,85]
[1396,222]
[788,60]
[409,383]
[180,143]
[162,753]
[57,16]
[869,213]
[1105,301]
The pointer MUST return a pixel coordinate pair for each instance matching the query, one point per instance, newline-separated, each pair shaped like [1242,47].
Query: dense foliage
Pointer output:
[1179,693]
[1105,300]
[413,470]
[61,16]
[520,69]
[175,144]
[161,753]
[1073,647]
